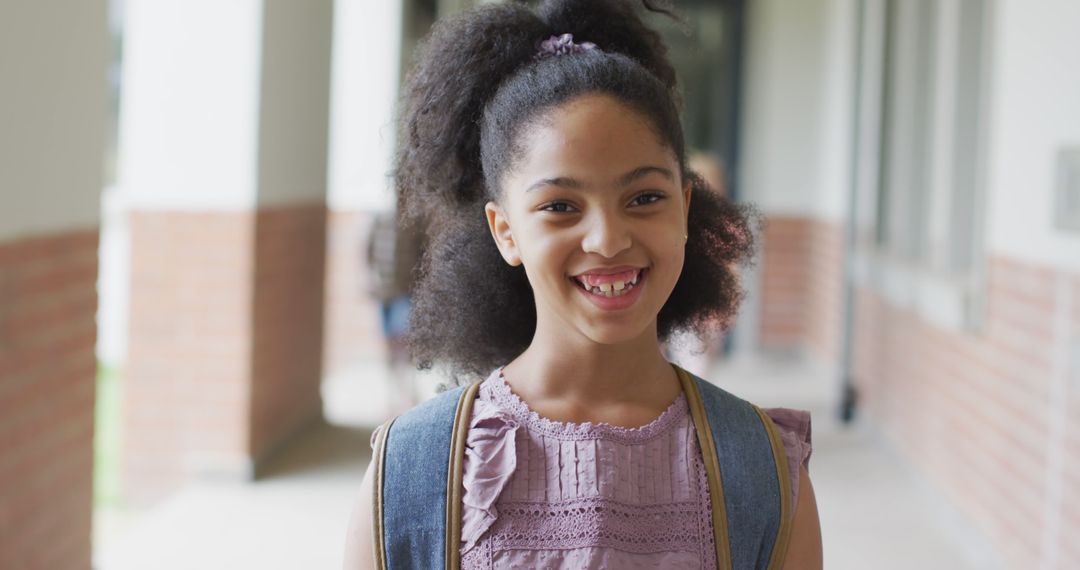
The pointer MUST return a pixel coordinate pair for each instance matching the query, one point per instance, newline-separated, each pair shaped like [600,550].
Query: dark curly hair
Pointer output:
[473,92]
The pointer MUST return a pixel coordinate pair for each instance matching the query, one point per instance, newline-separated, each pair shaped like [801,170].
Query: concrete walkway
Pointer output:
[875,513]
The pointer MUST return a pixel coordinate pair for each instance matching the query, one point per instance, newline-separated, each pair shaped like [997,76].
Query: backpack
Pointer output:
[417,503]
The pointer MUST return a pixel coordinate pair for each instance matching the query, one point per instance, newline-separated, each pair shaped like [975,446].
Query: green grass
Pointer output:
[107,438]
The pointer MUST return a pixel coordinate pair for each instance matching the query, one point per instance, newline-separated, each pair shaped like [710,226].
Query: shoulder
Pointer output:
[709,390]
[435,414]
[793,426]
[794,429]
[726,408]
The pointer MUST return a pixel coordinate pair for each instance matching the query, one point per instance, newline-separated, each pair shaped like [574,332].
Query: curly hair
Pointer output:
[471,95]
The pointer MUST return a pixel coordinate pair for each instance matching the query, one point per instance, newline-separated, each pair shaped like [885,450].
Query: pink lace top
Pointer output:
[546,494]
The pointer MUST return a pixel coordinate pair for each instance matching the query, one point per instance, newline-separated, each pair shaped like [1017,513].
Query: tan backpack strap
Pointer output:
[712,469]
[783,535]
[454,485]
[378,458]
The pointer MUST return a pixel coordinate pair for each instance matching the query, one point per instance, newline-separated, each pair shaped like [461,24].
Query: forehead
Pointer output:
[594,138]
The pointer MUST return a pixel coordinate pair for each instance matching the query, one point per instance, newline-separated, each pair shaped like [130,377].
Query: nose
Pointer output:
[606,235]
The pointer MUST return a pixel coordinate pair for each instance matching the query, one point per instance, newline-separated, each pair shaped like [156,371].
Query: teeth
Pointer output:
[614,289]
[610,292]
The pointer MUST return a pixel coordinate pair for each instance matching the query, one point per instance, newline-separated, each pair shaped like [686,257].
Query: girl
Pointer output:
[569,240]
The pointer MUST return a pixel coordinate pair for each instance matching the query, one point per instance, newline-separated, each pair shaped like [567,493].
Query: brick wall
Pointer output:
[48,303]
[825,288]
[801,273]
[288,324]
[785,268]
[990,417]
[224,350]
[186,384]
[352,319]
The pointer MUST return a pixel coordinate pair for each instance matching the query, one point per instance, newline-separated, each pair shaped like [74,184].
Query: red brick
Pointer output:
[993,389]
[226,329]
[47,369]
[352,330]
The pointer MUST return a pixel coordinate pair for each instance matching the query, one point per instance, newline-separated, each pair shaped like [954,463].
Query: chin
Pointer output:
[611,335]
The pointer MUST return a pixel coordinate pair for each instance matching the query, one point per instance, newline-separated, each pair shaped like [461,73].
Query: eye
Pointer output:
[556,207]
[646,198]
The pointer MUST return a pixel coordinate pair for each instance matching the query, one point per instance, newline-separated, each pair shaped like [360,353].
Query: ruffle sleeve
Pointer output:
[490,460]
[794,428]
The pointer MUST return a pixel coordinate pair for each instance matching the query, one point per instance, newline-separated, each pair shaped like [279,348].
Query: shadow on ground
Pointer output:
[321,449]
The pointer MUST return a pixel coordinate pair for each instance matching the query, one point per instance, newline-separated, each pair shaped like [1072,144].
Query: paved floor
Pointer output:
[875,513]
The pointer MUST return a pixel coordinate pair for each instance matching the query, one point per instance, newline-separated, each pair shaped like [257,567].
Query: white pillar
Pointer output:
[224,135]
[52,116]
[52,137]
[366,74]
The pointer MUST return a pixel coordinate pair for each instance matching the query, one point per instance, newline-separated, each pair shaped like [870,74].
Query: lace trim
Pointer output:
[704,526]
[597,522]
[479,558]
[505,397]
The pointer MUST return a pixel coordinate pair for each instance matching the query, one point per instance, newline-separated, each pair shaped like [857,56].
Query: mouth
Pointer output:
[610,285]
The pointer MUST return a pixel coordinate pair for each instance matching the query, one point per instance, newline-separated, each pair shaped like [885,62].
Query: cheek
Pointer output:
[669,247]
[676,257]
[544,254]
[667,236]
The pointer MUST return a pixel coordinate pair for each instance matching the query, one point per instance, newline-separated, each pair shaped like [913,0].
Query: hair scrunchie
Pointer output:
[560,45]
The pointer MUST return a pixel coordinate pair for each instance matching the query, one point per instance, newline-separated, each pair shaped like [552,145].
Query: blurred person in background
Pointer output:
[393,252]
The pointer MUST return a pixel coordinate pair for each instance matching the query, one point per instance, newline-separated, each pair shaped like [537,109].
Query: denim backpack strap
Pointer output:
[747,473]
[418,469]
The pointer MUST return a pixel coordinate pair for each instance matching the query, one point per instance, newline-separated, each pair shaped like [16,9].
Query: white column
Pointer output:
[366,74]
[798,104]
[225,104]
[223,165]
[294,101]
[190,104]
[52,116]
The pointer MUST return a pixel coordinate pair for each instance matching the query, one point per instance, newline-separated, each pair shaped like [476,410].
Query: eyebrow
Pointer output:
[624,180]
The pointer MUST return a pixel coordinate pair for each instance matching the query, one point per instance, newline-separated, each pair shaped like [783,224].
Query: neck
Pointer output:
[585,374]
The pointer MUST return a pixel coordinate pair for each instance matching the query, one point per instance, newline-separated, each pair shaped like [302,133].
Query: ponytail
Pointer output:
[460,66]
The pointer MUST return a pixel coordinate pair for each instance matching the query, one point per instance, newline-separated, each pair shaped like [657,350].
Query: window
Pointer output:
[927,203]
[933,100]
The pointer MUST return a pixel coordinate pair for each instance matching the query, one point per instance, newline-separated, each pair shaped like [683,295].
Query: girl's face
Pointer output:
[596,210]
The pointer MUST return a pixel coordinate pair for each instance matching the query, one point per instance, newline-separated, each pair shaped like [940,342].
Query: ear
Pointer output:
[499,225]
[688,190]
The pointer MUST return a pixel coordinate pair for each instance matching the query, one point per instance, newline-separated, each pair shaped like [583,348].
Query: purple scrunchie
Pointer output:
[560,45]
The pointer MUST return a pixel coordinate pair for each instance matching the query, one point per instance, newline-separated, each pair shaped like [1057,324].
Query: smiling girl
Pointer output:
[568,240]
